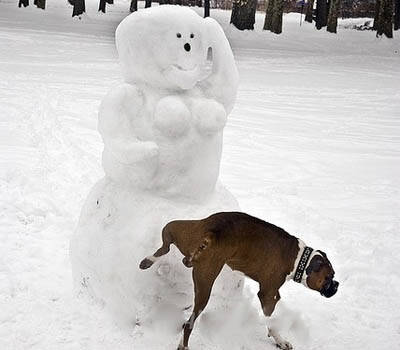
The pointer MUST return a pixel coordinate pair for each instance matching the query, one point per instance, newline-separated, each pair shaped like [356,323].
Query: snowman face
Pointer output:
[163,46]
[183,56]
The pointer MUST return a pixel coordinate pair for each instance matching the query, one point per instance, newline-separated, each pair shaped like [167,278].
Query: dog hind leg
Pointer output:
[151,259]
[204,275]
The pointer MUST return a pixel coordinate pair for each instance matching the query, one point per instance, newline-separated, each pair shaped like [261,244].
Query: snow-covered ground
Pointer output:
[313,145]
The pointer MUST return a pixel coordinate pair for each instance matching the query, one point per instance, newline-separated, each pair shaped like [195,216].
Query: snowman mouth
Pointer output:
[183,69]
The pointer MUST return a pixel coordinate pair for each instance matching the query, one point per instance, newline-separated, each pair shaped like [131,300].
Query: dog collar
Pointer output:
[298,276]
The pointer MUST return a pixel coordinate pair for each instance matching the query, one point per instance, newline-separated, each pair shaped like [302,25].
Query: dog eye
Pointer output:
[192,35]
[178,35]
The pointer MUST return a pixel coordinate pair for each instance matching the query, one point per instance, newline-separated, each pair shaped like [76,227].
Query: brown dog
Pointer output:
[262,251]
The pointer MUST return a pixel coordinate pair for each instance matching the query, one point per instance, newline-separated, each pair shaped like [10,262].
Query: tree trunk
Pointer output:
[24,3]
[384,19]
[147,3]
[206,8]
[244,14]
[40,4]
[277,16]
[102,6]
[133,6]
[321,15]
[397,15]
[269,11]
[79,8]
[309,11]
[333,16]
[376,15]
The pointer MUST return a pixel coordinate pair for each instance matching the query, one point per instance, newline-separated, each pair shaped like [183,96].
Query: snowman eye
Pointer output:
[192,35]
[178,35]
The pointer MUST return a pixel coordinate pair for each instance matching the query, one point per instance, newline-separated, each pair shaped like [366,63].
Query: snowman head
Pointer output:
[164,47]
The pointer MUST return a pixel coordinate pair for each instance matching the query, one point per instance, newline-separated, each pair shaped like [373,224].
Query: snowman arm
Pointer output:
[118,109]
[223,82]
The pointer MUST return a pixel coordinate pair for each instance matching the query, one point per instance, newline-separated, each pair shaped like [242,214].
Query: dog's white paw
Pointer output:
[284,345]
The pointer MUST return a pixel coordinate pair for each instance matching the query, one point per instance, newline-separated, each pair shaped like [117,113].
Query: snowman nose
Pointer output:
[187,47]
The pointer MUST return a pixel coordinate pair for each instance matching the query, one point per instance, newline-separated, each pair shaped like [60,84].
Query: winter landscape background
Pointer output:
[312,145]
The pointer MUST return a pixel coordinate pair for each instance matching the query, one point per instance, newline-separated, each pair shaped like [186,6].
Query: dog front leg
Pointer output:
[268,304]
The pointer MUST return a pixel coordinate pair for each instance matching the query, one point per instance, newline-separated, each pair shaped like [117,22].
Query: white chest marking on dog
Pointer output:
[290,276]
[302,245]
[152,258]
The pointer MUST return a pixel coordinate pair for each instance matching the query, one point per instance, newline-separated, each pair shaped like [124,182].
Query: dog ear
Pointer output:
[315,264]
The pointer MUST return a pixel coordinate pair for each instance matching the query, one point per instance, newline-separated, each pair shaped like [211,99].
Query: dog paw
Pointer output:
[145,264]
[284,345]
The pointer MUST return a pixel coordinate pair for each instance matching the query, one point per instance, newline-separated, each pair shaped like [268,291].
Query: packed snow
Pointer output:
[312,145]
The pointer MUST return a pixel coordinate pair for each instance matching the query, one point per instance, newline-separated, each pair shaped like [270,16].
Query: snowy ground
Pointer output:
[313,145]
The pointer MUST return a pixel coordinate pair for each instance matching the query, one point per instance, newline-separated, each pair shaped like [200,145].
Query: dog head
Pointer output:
[320,275]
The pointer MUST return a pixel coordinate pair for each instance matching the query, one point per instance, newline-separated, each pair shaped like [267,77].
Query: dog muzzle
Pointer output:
[330,288]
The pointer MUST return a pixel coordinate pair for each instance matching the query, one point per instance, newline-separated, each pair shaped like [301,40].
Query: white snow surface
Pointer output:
[312,145]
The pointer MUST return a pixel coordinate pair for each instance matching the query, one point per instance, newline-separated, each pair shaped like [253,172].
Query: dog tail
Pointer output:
[198,252]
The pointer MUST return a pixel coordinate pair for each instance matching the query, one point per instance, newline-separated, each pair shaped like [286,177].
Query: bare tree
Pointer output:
[133,6]
[397,15]
[244,14]
[309,11]
[383,22]
[40,4]
[333,16]
[79,8]
[207,8]
[376,14]
[23,3]
[321,14]
[276,26]
[268,15]
[102,6]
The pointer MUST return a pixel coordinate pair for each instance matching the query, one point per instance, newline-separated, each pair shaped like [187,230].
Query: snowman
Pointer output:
[162,131]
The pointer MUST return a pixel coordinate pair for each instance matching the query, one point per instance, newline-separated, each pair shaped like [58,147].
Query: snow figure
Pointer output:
[162,129]
[162,132]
